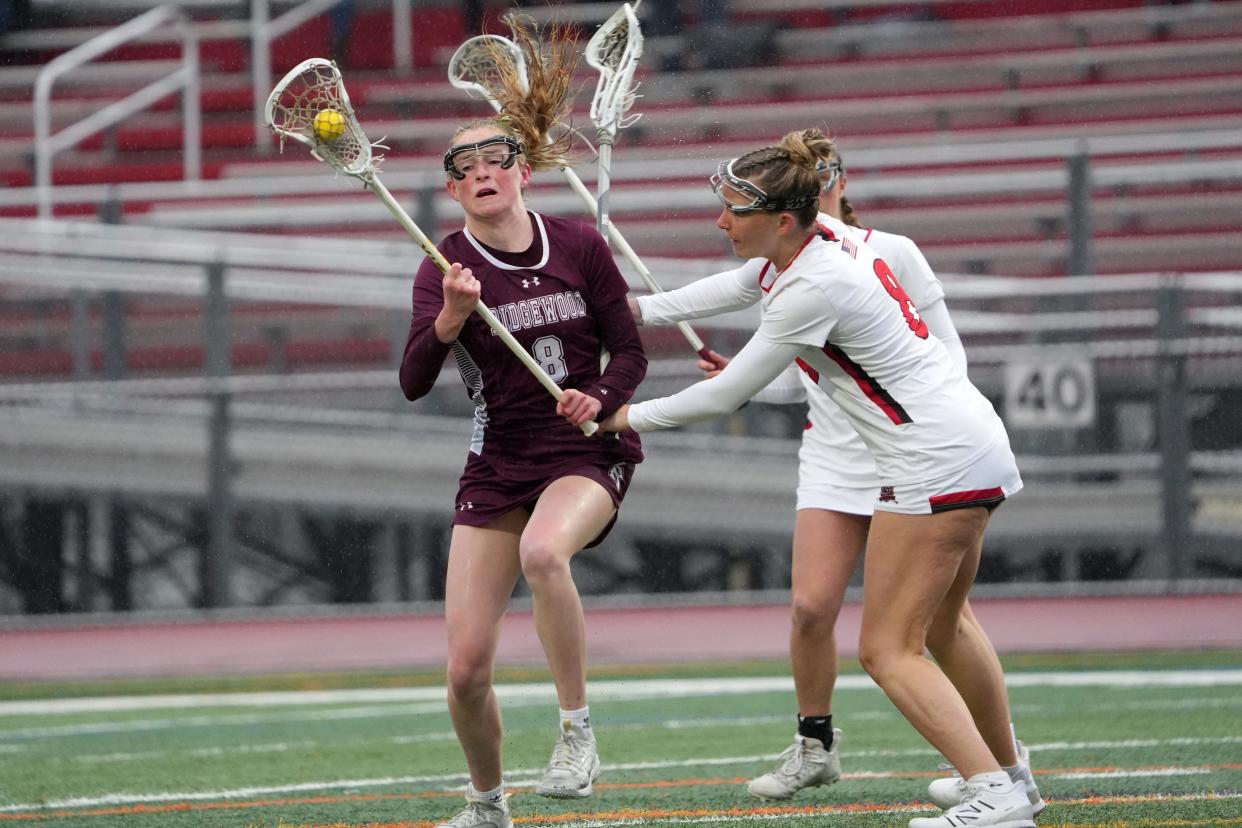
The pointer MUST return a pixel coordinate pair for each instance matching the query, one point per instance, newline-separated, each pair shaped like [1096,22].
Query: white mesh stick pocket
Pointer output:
[309,88]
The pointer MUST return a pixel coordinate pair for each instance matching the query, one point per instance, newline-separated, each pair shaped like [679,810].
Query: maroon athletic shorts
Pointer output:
[481,501]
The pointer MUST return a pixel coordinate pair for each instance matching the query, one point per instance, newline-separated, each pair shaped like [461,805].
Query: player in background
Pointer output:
[535,490]
[836,489]
[941,455]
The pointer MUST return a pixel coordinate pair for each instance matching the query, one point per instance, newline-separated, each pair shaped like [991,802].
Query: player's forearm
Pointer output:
[420,364]
[627,362]
[941,326]
[755,366]
[786,389]
[710,296]
[448,326]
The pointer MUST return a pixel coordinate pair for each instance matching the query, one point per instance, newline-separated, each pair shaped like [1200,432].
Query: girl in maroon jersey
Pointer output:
[535,490]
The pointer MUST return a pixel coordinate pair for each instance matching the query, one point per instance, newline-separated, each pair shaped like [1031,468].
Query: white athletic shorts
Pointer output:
[986,482]
[852,500]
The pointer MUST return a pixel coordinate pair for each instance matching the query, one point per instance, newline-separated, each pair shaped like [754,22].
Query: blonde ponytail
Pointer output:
[531,114]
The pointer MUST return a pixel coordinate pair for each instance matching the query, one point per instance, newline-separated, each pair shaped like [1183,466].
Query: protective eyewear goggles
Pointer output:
[741,197]
[502,150]
[829,172]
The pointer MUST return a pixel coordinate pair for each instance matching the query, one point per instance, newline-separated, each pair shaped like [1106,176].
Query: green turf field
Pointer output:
[1143,740]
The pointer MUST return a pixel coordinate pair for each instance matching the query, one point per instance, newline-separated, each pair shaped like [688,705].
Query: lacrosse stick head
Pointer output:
[475,66]
[311,87]
[614,51]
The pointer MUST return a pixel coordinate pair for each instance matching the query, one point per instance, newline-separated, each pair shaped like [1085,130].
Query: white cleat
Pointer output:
[804,764]
[952,790]
[574,766]
[481,812]
[985,806]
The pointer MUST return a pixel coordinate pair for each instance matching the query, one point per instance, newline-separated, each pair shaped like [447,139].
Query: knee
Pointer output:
[810,617]
[879,656]
[542,562]
[469,676]
[871,656]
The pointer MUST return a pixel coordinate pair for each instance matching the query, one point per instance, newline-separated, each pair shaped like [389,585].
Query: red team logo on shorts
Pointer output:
[887,495]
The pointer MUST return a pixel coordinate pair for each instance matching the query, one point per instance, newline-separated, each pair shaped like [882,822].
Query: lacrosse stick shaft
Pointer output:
[376,186]
[602,186]
[619,242]
[609,231]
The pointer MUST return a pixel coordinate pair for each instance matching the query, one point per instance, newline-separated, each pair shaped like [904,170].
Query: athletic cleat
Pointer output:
[804,764]
[481,813]
[950,791]
[574,766]
[985,806]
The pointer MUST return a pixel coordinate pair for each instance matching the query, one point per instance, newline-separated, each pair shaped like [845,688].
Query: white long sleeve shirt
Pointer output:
[838,308]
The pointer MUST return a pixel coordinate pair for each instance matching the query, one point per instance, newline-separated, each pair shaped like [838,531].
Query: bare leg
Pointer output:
[482,571]
[826,548]
[570,514]
[965,654]
[912,564]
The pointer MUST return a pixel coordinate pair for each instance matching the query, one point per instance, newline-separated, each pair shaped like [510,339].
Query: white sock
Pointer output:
[580,718]
[1013,769]
[495,796]
[995,779]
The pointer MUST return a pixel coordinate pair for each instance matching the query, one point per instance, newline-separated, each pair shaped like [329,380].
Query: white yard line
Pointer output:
[1131,774]
[613,690]
[827,812]
[143,725]
[519,777]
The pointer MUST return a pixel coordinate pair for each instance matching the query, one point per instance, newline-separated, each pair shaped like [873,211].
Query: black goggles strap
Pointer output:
[515,149]
[760,200]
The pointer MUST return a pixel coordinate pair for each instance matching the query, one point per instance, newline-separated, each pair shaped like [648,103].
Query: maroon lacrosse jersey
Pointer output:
[564,301]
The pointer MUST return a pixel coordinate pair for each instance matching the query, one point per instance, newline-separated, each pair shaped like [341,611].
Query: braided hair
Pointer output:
[825,149]
[785,172]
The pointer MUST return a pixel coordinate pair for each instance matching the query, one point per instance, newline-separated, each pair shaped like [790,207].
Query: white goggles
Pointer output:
[741,197]
[829,172]
[501,151]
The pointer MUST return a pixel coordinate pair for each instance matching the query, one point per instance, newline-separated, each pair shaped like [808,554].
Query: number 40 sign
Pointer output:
[1050,394]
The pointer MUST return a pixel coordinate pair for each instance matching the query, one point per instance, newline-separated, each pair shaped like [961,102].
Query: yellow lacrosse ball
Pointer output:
[329,125]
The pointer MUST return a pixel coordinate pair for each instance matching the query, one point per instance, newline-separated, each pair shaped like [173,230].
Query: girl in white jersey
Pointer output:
[942,456]
[836,489]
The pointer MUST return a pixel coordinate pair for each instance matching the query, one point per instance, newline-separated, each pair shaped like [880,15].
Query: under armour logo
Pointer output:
[466,505]
[533,280]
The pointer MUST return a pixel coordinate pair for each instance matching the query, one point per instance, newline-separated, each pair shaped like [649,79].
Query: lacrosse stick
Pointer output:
[614,51]
[473,70]
[296,108]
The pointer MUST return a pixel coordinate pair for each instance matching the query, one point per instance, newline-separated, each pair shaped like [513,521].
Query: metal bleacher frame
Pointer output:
[1202,149]
[334,445]
[194,451]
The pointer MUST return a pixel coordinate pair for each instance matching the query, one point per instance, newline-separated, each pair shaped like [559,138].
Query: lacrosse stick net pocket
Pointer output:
[308,89]
[614,51]
[475,66]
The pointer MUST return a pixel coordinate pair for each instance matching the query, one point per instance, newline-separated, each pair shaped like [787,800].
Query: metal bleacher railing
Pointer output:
[338,441]
[170,21]
[1022,162]
[216,442]
[186,80]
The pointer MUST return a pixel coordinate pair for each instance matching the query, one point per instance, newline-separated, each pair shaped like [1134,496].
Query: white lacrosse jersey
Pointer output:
[840,311]
[832,452]
[832,455]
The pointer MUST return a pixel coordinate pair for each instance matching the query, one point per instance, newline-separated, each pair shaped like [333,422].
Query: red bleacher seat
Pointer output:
[1069,67]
